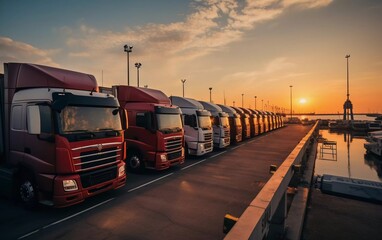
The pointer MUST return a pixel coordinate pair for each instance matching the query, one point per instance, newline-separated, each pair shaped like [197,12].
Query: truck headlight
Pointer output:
[121,171]
[201,145]
[163,158]
[69,185]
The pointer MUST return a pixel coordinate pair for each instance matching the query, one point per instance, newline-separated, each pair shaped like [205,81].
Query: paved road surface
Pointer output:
[185,202]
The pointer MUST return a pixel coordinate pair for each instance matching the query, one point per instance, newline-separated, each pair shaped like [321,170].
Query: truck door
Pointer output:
[40,148]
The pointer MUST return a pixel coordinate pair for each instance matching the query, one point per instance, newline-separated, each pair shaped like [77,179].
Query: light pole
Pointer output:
[242,100]
[348,106]
[210,94]
[347,76]
[291,101]
[128,50]
[183,81]
[255,102]
[138,65]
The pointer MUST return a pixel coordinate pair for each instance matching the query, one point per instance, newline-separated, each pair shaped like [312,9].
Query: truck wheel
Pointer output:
[27,191]
[134,162]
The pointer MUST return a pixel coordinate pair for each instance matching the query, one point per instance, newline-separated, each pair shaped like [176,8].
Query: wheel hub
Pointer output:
[135,162]
[27,192]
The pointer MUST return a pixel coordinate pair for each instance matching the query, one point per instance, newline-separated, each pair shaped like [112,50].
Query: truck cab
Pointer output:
[259,120]
[155,137]
[254,124]
[197,126]
[271,121]
[234,123]
[281,119]
[220,124]
[63,140]
[244,122]
[265,121]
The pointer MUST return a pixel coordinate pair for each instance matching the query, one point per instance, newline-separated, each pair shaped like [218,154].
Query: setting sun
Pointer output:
[302,100]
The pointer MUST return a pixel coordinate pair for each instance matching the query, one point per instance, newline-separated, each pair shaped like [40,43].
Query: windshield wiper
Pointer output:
[110,131]
[178,129]
[107,129]
[82,131]
[166,130]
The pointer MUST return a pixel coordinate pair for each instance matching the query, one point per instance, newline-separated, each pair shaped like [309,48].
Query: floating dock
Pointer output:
[358,188]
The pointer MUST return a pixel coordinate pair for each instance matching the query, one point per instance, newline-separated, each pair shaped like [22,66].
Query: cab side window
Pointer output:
[140,119]
[46,119]
[190,120]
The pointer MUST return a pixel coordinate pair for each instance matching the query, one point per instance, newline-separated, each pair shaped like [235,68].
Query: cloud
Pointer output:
[278,64]
[213,25]
[306,3]
[275,70]
[14,51]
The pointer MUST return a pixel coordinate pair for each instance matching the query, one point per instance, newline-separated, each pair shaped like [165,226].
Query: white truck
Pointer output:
[197,126]
[220,124]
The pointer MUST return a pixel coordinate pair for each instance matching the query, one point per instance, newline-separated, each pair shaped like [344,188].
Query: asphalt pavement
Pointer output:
[185,202]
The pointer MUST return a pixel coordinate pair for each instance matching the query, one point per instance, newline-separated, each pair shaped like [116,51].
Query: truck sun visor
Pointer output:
[61,100]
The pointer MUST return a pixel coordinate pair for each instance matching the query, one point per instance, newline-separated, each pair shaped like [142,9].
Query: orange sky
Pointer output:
[256,48]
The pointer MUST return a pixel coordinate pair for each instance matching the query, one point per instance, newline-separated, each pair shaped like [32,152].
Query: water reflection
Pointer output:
[351,159]
[375,163]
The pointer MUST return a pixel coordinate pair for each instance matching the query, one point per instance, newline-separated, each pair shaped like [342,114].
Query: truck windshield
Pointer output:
[204,122]
[168,123]
[238,121]
[88,119]
[224,121]
[246,121]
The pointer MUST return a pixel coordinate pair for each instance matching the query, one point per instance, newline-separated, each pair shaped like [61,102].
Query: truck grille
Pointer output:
[174,155]
[93,159]
[173,147]
[208,145]
[207,137]
[98,176]
[226,132]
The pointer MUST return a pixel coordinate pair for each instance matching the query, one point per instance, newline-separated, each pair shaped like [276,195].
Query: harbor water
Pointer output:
[337,117]
[349,159]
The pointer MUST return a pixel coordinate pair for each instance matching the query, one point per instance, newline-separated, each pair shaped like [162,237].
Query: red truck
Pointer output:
[61,140]
[155,137]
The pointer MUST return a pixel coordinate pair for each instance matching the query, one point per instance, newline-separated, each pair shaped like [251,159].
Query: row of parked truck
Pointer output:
[63,138]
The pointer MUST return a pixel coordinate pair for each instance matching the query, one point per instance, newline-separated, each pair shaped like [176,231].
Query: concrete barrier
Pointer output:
[265,217]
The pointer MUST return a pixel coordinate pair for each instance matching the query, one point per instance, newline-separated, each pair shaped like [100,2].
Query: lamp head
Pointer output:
[127,48]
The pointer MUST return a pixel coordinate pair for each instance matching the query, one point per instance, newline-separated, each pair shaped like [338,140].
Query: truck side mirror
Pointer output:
[33,120]
[124,118]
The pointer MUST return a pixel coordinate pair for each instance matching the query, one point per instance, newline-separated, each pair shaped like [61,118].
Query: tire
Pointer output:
[27,190]
[134,162]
